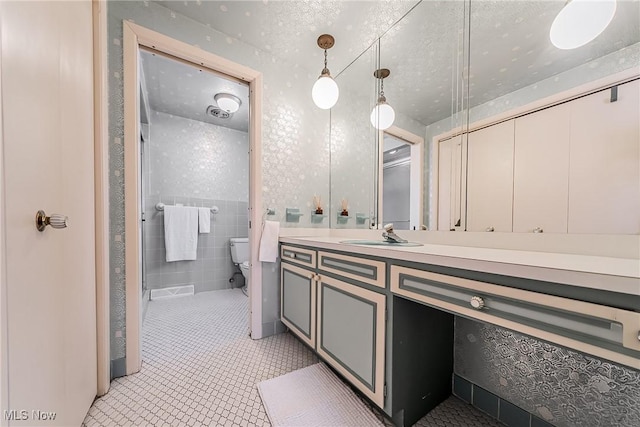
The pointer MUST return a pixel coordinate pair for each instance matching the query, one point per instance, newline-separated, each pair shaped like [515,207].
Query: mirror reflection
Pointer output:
[540,151]
[353,149]
[396,181]
[460,69]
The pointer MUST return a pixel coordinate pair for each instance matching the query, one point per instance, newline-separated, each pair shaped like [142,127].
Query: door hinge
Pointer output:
[384,390]
[386,314]
[614,94]
[249,223]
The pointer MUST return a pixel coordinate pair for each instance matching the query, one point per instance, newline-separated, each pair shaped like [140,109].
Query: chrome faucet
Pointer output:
[390,236]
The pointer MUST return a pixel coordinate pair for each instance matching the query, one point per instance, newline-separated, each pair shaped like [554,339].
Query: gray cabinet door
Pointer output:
[351,333]
[298,301]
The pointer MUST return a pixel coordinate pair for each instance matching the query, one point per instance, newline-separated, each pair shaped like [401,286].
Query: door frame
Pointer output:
[101,166]
[416,173]
[136,36]
[4,368]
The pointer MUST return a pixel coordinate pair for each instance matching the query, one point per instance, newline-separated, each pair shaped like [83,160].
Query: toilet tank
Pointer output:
[239,249]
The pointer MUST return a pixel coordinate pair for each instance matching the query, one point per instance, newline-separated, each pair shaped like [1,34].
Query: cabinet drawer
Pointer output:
[351,334]
[364,270]
[603,331]
[298,301]
[300,256]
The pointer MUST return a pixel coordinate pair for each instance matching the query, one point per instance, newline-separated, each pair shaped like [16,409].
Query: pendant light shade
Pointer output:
[325,90]
[382,115]
[581,21]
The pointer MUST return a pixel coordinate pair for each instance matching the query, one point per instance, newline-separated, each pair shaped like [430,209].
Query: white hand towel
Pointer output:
[204,220]
[269,241]
[181,233]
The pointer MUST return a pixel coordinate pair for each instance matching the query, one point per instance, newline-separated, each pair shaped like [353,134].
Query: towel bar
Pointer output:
[160,207]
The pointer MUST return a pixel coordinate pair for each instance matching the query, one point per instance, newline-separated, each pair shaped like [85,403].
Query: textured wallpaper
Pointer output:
[561,386]
[196,159]
[195,164]
[295,133]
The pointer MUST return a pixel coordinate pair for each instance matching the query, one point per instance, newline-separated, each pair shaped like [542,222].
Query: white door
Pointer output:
[47,107]
[604,177]
[541,171]
[490,178]
[445,185]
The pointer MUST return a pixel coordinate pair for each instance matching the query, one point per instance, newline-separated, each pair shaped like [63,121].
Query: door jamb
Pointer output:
[4,368]
[101,165]
[134,37]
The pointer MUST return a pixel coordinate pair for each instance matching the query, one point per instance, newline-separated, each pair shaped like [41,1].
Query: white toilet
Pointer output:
[240,257]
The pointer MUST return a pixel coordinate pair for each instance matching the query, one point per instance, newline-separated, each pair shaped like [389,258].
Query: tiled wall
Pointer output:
[195,164]
[557,385]
[213,267]
[196,159]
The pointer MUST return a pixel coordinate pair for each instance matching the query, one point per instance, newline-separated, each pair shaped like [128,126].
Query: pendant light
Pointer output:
[325,90]
[581,21]
[382,116]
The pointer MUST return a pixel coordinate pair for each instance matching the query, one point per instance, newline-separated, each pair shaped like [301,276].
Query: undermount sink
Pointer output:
[379,243]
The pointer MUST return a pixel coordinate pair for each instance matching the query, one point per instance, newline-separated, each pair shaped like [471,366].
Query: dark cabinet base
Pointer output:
[422,360]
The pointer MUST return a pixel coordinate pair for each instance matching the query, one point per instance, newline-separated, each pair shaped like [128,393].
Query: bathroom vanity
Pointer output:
[383,315]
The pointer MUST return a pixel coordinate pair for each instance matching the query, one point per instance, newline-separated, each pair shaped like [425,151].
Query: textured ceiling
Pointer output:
[176,88]
[510,49]
[290,29]
[510,45]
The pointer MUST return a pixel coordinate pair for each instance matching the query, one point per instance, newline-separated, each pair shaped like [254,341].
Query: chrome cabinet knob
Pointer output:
[490,229]
[292,255]
[55,220]
[538,230]
[477,303]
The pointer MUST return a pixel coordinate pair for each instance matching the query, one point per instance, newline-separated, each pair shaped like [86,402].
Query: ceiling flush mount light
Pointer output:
[325,90]
[227,102]
[581,21]
[382,116]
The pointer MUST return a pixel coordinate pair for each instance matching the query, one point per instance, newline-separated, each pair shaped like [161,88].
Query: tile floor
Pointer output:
[201,368]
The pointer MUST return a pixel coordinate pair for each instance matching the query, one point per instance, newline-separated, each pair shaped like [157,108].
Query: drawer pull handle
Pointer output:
[292,255]
[538,230]
[477,303]
[490,229]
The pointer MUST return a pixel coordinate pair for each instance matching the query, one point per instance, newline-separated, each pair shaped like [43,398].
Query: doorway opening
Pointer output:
[198,153]
[194,156]
[400,179]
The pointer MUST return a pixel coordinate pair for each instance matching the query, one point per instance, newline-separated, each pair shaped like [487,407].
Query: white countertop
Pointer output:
[590,271]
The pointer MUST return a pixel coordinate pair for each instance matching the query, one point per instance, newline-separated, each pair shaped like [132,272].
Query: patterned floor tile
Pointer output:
[201,368]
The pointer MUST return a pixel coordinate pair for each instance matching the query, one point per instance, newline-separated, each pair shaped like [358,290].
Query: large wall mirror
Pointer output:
[424,53]
[552,140]
[519,134]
